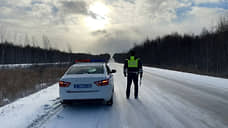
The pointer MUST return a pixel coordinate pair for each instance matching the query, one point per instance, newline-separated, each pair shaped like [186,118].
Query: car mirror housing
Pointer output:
[113,71]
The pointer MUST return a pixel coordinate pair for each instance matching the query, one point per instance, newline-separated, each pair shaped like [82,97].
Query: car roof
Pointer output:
[88,64]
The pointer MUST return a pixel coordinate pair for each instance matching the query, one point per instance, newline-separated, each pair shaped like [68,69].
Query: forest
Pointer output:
[16,54]
[206,53]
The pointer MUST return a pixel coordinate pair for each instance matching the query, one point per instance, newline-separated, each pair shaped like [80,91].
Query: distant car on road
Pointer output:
[87,80]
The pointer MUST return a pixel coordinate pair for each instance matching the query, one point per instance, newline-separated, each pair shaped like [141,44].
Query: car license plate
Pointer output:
[82,86]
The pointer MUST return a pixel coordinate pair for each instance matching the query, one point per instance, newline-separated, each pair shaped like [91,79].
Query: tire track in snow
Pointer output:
[51,111]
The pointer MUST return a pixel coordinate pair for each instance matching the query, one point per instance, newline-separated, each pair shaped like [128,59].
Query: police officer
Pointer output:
[132,69]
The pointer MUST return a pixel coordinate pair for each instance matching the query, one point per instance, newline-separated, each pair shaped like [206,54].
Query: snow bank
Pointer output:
[202,80]
[23,112]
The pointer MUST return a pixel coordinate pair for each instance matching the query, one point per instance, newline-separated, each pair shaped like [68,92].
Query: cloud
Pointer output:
[75,7]
[116,40]
[99,32]
[208,17]
[129,21]
[159,18]
[112,45]
[207,1]
[130,1]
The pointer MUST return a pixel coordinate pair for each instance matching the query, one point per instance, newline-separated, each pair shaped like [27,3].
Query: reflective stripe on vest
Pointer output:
[133,63]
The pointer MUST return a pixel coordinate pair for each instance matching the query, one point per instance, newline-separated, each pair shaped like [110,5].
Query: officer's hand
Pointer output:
[125,74]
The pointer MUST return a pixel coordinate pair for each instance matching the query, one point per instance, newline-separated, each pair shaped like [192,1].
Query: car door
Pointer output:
[110,75]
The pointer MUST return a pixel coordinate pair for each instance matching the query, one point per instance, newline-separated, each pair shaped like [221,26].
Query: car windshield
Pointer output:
[86,70]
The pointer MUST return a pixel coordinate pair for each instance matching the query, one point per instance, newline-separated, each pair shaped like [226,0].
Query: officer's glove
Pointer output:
[125,75]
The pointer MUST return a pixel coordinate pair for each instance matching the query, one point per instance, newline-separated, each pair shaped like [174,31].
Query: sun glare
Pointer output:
[99,9]
[98,18]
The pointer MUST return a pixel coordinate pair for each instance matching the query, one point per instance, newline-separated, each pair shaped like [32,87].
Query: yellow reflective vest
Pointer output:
[132,62]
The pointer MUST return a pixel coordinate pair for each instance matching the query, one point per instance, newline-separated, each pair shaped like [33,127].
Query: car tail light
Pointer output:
[64,84]
[102,82]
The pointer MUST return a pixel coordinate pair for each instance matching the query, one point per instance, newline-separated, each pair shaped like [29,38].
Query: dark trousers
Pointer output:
[132,77]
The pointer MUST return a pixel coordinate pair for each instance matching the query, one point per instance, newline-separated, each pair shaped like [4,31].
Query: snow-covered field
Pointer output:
[167,99]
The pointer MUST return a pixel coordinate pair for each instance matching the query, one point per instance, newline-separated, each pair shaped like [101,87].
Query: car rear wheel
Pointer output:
[110,102]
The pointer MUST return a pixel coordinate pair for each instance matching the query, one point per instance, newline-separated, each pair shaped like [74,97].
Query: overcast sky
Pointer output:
[98,26]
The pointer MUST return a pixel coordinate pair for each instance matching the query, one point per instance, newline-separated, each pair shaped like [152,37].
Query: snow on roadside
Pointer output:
[24,111]
[202,80]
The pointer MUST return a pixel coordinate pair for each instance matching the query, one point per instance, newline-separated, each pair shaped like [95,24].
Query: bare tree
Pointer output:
[26,40]
[15,38]
[69,49]
[223,24]
[204,32]
[46,42]
[3,33]
[34,41]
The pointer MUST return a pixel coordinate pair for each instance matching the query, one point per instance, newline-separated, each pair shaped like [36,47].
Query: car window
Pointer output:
[86,70]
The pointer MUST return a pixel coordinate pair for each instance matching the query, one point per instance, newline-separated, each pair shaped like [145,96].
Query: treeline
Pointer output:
[14,54]
[20,82]
[206,53]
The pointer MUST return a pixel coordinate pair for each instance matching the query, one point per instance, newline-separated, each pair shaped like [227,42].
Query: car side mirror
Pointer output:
[113,71]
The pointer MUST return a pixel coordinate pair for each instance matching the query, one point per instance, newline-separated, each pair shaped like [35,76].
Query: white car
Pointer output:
[87,81]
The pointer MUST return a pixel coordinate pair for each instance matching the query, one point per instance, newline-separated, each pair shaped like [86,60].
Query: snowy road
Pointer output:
[167,99]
